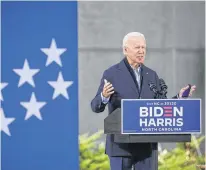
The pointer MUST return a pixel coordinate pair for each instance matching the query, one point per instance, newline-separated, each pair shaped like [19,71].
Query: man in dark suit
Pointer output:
[129,80]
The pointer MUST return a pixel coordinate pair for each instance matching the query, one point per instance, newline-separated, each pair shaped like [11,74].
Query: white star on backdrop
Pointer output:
[26,74]
[5,122]
[2,86]
[60,86]
[33,107]
[53,53]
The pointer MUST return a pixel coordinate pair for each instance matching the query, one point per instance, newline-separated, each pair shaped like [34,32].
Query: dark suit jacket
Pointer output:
[125,87]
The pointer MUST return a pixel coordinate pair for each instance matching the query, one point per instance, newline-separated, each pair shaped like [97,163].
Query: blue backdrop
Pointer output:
[39,86]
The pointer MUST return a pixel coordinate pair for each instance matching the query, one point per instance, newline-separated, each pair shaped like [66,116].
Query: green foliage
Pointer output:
[183,157]
[92,154]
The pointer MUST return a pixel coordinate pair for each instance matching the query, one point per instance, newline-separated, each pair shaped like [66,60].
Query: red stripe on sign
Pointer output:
[167,107]
[168,111]
[168,115]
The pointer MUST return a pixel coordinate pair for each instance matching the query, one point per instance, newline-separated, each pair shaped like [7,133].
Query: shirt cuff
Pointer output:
[104,99]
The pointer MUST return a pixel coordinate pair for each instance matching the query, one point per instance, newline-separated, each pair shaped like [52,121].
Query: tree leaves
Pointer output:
[183,157]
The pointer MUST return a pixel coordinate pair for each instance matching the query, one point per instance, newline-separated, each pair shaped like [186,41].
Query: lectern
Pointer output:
[154,120]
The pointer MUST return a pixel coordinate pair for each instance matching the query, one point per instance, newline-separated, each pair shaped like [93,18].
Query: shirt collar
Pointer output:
[136,69]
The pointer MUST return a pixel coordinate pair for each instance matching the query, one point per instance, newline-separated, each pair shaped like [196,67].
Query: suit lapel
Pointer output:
[124,72]
[144,78]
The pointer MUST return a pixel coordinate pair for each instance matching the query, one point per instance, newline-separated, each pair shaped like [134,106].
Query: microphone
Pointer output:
[163,87]
[153,87]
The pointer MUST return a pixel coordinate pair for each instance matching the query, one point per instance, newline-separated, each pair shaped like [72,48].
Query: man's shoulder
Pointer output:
[147,69]
[113,67]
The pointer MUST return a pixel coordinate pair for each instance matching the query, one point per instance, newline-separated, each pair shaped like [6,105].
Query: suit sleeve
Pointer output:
[96,104]
[176,96]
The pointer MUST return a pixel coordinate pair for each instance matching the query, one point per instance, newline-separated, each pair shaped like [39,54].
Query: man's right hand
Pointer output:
[108,89]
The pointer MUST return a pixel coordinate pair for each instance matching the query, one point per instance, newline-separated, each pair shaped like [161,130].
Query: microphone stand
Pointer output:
[159,94]
[153,87]
[163,87]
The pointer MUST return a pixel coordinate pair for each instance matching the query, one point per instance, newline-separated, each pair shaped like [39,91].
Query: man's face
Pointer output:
[136,49]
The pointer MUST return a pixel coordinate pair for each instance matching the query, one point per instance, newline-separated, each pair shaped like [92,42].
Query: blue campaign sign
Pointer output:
[170,116]
[39,86]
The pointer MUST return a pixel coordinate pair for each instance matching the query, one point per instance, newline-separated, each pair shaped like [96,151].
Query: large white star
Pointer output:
[60,86]
[2,86]
[26,74]
[33,107]
[53,53]
[5,122]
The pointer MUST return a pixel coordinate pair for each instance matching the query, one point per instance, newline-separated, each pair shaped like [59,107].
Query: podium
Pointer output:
[155,120]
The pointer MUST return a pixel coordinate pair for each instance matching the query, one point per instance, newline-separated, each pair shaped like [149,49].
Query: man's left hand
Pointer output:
[193,88]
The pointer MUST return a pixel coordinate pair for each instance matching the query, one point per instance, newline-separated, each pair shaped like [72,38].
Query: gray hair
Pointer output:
[131,34]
